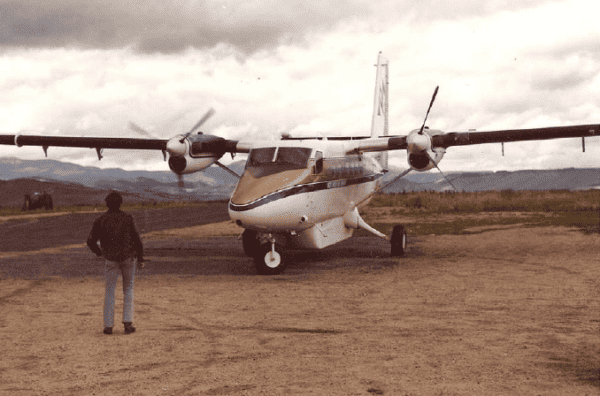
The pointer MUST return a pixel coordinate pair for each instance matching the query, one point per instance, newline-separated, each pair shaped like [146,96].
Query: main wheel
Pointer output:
[399,241]
[250,242]
[268,261]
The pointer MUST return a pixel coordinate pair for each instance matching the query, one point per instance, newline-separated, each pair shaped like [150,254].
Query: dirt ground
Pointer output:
[502,312]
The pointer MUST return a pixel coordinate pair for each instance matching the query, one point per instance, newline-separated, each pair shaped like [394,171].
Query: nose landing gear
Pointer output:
[261,247]
[268,260]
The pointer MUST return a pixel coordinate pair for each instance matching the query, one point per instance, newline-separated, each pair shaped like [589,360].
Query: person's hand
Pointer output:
[139,262]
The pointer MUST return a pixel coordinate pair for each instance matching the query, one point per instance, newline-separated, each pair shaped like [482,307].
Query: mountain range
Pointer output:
[73,184]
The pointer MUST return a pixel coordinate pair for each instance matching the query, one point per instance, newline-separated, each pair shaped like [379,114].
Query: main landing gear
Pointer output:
[398,238]
[267,255]
[267,258]
[398,241]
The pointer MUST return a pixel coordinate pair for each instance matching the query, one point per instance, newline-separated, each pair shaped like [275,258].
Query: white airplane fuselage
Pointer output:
[303,192]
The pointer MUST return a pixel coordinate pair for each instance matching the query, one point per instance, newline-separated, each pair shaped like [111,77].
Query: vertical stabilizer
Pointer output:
[379,124]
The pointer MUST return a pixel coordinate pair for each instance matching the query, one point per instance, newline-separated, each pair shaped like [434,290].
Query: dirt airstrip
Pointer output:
[498,312]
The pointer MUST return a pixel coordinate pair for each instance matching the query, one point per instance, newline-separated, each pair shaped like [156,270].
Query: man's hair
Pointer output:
[113,200]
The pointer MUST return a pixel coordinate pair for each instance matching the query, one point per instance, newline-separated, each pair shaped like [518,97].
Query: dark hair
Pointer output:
[113,200]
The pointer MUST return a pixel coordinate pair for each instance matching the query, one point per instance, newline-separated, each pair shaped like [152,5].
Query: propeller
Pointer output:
[202,120]
[136,128]
[429,109]
[172,150]
[175,146]
[421,133]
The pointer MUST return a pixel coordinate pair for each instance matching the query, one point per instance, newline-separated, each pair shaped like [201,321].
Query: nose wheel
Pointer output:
[267,260]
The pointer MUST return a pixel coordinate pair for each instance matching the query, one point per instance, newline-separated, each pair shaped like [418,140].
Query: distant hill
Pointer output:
[554,179]
[72,184]
[213,183]
[12,193]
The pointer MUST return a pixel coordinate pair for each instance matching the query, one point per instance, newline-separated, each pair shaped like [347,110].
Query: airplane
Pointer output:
[306,192]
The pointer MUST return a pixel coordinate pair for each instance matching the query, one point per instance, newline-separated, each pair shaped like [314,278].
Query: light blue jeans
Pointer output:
[112,270]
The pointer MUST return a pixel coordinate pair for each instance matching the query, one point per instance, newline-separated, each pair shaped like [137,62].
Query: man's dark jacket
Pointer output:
[119,239]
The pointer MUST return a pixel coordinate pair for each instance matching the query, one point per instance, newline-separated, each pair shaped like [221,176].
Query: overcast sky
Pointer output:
[88,68]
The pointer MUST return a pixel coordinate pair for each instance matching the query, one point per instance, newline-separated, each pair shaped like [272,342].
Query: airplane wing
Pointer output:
[89,142]
[207,142]
[469,138]
[515,135]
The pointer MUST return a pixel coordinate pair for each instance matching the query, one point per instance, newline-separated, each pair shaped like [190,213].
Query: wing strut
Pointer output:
[227,169]
[385,185]
[438,168]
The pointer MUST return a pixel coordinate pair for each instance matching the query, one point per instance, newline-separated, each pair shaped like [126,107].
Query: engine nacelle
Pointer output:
[420,153]
[182,165]
[193,153]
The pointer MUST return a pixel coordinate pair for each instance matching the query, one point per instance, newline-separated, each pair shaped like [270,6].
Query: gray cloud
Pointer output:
[154,26]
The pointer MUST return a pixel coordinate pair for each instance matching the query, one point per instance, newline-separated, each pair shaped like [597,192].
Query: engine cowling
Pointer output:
[420,152]
[183,165]
[194,153]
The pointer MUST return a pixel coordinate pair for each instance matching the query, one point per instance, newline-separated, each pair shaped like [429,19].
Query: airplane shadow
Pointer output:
[206,257]
[225,256]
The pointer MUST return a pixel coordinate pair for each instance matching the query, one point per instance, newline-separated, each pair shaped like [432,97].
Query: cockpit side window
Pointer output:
[293,156]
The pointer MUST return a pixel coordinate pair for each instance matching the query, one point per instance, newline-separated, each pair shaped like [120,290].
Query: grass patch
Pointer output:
[492,201]
[453,213]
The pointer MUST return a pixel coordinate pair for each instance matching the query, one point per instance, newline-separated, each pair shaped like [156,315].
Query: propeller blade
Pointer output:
[429,109]
[180,182]
[136,128]
[204,118]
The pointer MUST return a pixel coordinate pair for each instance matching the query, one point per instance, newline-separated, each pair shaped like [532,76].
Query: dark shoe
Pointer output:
[129,328]
[108,330]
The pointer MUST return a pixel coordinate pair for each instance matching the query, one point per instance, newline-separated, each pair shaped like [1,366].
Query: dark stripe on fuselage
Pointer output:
[302,189]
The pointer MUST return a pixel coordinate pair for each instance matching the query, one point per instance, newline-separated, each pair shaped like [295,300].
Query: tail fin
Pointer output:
[379,123]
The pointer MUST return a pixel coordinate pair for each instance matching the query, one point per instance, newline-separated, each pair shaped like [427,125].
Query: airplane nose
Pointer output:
[175,147]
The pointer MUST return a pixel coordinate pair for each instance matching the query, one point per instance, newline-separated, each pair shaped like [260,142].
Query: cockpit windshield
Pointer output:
[271,160]
[262,156]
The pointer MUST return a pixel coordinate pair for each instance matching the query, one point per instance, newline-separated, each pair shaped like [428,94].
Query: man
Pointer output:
[121,246]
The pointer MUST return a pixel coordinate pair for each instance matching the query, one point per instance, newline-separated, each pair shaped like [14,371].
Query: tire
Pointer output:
[267,263]
[399,241]
[250,242]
